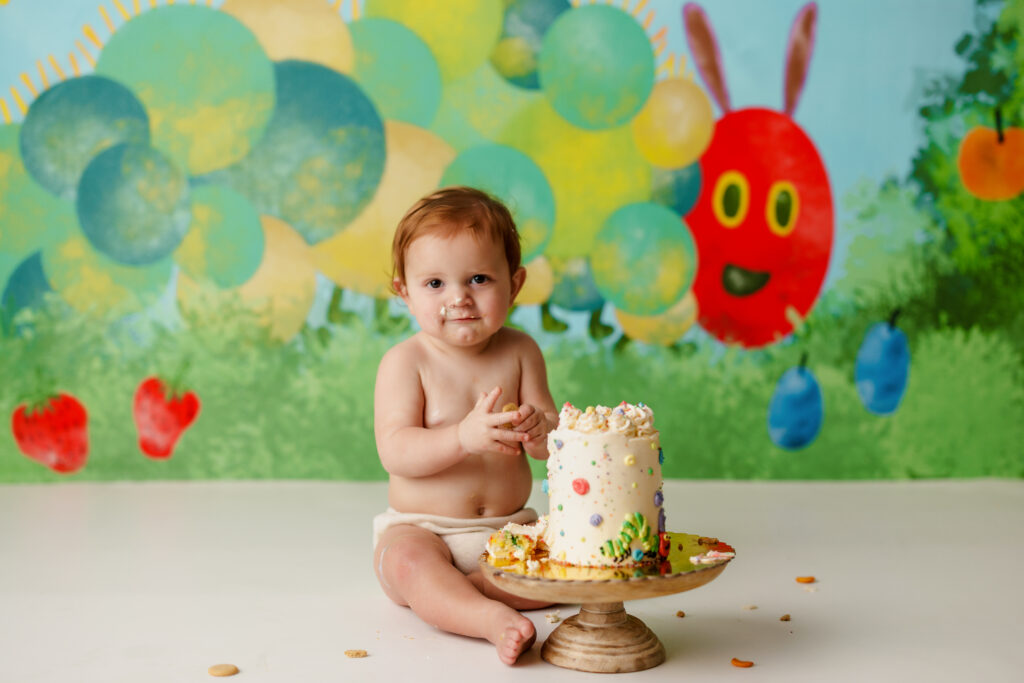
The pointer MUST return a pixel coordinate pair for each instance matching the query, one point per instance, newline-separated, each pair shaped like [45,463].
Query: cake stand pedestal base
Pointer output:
[602,638]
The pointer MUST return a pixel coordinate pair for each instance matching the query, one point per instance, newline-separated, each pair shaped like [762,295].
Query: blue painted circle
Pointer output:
[518,49]
[882,368]
[796,410]
[677,189]
[72,122]
[133,204]
[322,157]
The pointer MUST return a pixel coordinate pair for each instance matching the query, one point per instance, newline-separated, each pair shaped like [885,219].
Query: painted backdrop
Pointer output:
[792,228]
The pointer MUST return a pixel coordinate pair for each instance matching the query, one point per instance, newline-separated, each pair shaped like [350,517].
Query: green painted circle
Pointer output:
[203,77]
[596,66]
[224,244]
[514,178]
[644,259]
[397,70]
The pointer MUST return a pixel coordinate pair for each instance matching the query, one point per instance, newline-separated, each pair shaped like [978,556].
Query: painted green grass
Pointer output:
[305,410]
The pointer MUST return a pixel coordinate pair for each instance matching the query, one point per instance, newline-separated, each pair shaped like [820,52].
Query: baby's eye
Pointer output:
[479,279]
[434,284]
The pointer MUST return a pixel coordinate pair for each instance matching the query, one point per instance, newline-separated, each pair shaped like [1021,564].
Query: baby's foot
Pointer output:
[512,635]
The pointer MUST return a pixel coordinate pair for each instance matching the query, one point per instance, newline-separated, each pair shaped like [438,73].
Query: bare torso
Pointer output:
[481,485]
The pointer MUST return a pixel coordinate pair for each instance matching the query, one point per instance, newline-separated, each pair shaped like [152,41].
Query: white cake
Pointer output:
[604,487]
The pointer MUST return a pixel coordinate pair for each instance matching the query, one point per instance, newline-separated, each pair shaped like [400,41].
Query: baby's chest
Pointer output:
[451,391]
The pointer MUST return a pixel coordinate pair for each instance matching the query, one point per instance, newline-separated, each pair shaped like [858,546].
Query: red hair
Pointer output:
[449,211]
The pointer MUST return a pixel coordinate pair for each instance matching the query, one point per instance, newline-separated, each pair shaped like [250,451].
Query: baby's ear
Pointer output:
[399,287]
[518,280]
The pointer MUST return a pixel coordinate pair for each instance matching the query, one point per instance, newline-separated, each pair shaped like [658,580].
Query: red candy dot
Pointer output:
[580,486]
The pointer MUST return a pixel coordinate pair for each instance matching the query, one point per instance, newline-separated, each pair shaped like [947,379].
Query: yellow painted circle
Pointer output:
[460,33]
[675,125]
[540,281]
[664,329]
[299,29]
[731,198]
[359,257]
[592,173]
[277,298]
[782,208]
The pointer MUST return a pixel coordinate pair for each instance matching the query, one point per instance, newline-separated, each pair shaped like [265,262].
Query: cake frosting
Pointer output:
[604,487]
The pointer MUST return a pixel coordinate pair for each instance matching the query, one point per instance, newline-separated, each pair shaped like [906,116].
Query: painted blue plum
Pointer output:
[882,368]
[796,410]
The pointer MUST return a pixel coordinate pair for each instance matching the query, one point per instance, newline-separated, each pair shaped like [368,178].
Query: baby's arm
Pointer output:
[405,446]
[537,412]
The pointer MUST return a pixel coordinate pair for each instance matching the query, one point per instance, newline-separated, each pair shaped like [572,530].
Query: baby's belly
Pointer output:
[473,489]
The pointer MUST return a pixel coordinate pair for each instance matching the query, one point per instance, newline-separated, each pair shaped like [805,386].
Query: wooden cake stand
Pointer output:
[602,638]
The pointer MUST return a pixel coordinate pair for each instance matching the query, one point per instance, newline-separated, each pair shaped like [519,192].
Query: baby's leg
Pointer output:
[415,569]
[495,593]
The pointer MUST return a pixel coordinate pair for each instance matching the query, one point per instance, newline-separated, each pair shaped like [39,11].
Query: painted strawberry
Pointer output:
[53,432]
[162,416]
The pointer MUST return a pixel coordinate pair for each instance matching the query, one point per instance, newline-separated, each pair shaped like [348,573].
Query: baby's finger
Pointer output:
[528,423]
[510,436]
[491,399]
[497,419]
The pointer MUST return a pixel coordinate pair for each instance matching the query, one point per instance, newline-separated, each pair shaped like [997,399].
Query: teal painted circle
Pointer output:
[596,66]
[643,259]
[322,157]
[203,77]
[27,287]
[72,122]
[133,204]
[517,53]
[676,189]
[224,244]
[574,288]
[30,217]
[514,178]
[397,70]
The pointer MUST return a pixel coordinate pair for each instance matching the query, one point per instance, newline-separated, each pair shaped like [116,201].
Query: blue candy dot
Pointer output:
[659,498]
[558,444]
[561,533]
[595,520]
[638,554]
[661,457]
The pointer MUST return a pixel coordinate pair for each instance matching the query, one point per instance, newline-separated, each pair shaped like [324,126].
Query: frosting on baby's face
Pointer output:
[625,418]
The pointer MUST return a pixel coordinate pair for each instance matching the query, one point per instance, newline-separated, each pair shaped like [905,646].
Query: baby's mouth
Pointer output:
[457,315]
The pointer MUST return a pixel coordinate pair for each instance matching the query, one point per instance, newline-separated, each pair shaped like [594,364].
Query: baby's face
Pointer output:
[458,288]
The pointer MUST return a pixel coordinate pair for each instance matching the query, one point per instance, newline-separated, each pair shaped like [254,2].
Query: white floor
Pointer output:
[156,582]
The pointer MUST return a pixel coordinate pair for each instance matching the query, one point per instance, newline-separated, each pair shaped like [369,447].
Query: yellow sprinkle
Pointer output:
[629,460]
[634,484]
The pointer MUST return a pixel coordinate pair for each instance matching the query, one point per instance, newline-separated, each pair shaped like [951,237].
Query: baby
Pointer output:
[456,462]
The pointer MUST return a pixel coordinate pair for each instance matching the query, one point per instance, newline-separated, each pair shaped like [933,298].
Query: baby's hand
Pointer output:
[479,432]
[532,422]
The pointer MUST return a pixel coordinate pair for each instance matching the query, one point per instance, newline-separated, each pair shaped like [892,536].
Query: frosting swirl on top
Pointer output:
[625,418]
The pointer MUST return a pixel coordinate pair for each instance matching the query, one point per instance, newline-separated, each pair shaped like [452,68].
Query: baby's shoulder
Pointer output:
[517,341]
[404,355]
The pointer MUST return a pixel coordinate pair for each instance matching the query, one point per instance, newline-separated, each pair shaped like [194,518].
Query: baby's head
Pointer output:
[456,263]
[450,211]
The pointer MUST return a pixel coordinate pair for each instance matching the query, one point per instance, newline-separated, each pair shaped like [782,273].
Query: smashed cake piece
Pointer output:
[518,543]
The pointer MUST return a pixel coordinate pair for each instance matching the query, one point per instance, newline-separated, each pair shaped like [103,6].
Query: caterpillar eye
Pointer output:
[731,198]
[782,208]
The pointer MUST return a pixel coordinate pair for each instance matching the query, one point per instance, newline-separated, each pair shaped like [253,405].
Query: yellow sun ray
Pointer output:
[121,9]
[639,7]
[648,20]
[152,3]
[4,110]
[29,84]
[42,74]
[135,7]
[18,101]
[93,38]
[74,64]
[667,67]
[56,67]
[355,9]
[335,4]
[106,19]
[85,53]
